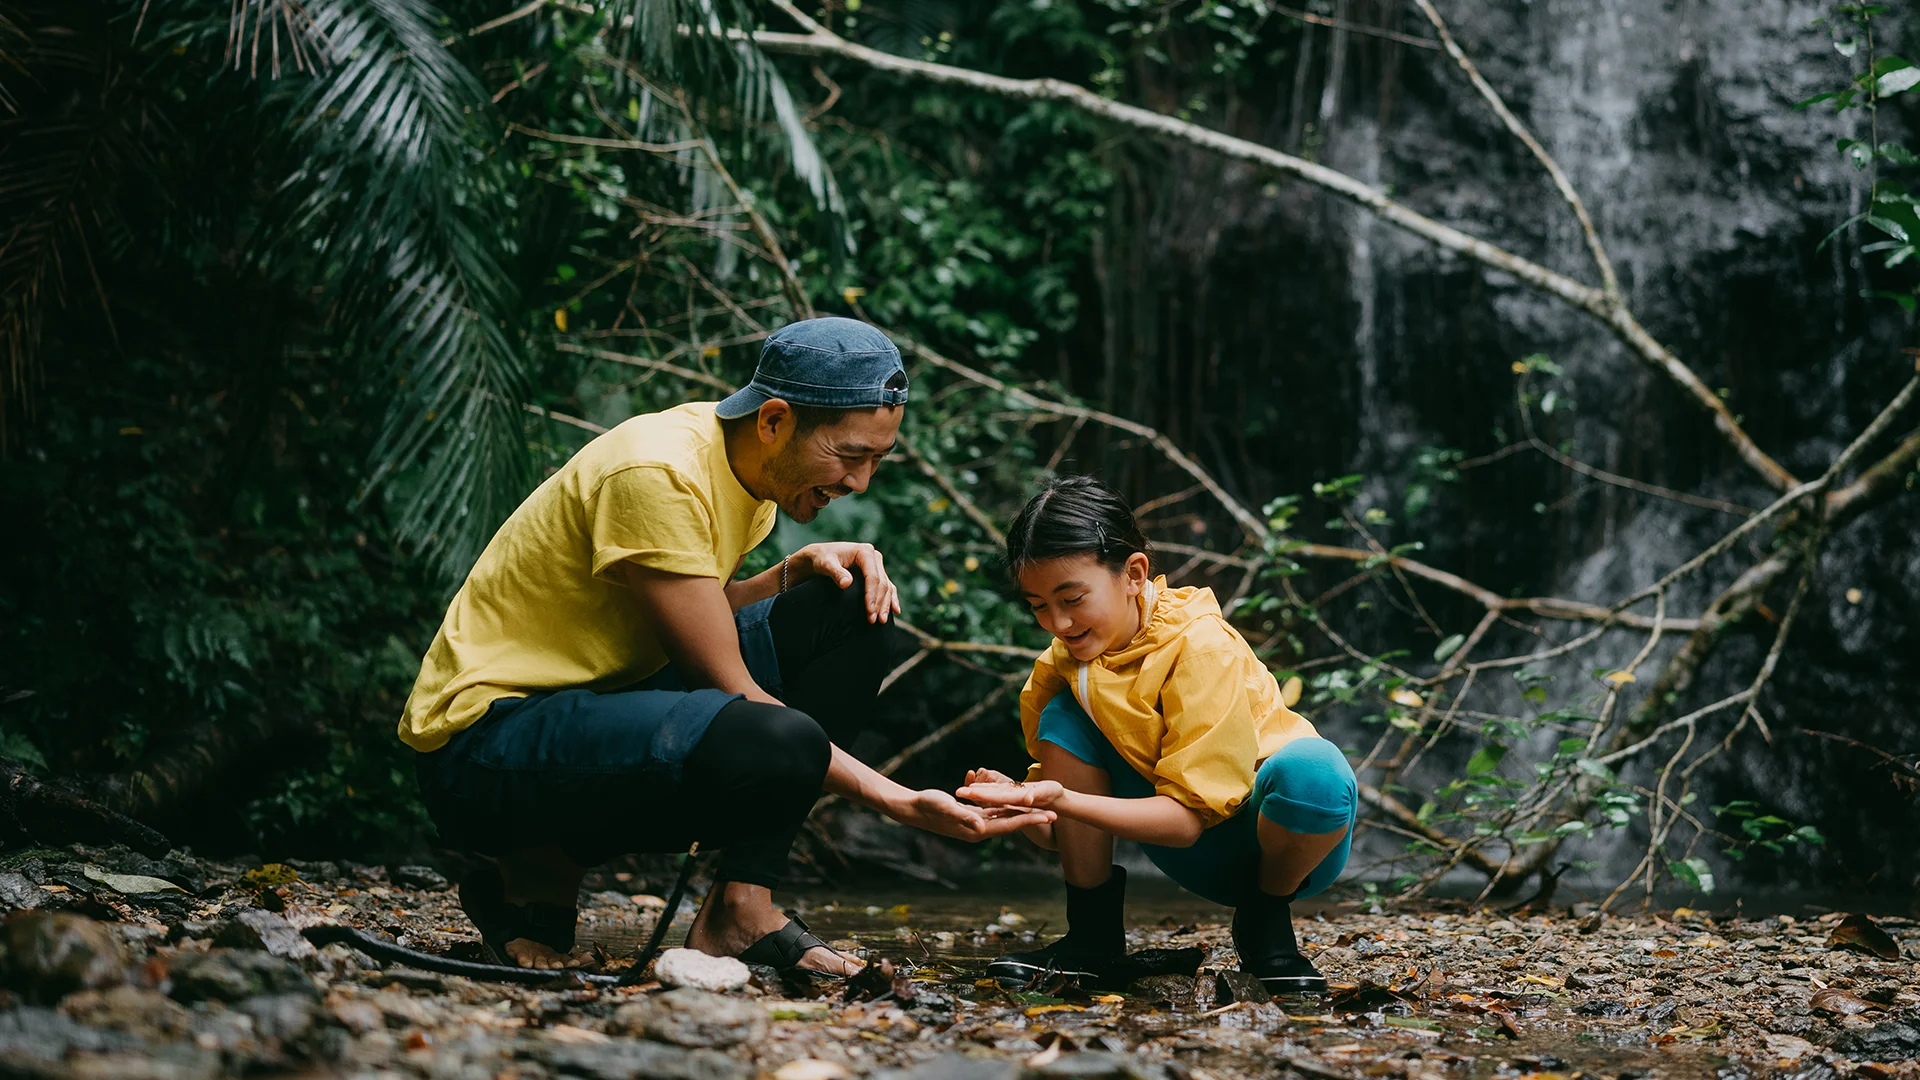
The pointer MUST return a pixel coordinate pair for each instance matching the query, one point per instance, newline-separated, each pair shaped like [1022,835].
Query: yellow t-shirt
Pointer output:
[542,609]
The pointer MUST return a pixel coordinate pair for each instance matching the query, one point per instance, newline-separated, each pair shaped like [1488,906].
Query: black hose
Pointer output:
[388,952]
[645,956]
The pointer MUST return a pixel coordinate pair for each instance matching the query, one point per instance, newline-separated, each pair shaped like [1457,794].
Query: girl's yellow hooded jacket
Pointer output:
[1186,702]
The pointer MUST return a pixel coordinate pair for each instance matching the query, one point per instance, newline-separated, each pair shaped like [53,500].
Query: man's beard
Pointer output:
[787,478]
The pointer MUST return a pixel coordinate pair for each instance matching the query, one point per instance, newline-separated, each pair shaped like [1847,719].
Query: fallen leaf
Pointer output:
[1789,1047]
[1042,1010]
[1111,999]
[1417,1022]
[1862,934]
[1542,980]
[130,884]
[1840,1003]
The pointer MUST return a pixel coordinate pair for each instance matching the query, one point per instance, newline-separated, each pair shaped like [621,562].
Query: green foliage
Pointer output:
[1891,210]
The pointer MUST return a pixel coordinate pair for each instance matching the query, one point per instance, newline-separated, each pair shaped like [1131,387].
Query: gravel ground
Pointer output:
[119,966]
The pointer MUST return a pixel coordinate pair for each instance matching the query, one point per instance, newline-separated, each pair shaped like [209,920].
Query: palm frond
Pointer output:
[695,44]
[406,205]
[253,23]
[72,133]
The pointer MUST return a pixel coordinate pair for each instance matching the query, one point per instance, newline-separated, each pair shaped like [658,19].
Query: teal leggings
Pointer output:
[1305,787]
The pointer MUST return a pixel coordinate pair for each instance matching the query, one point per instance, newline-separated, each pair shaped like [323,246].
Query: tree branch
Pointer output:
[818,41]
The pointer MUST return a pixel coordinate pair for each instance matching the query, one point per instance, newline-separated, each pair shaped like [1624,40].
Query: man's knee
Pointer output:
[1307,787]
[789,748]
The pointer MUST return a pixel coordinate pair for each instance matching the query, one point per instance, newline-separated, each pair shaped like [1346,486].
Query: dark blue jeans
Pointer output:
[657,767]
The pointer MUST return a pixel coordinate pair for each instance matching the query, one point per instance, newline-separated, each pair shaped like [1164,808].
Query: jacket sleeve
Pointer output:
[1207,755]
[1042,684]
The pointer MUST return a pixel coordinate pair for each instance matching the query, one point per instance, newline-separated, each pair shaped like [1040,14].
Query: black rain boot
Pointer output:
[1095,944]
[1263,935]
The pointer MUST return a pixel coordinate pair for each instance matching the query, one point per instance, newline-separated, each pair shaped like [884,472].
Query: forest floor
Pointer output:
[119,966]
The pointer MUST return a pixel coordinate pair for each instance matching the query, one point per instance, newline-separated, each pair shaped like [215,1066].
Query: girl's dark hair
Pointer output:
[1075,515]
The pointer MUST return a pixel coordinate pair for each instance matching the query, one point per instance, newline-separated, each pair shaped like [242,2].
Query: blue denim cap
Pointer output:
[832,363]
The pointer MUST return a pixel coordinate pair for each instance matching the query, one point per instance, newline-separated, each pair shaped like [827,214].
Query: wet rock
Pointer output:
[47,955]
[41,1034]
[316,871]
[956,1066]
[234,974]
[1237,986]
[17,892]
[1175,990]
[133,1009]
[423,878]
[1098,1065]
[632,1061]
[265,931]
[1890,1040]
[696,1018]
[285,1017]
[692,968]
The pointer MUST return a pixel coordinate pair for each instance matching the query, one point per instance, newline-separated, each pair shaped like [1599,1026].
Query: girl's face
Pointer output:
[1090,608]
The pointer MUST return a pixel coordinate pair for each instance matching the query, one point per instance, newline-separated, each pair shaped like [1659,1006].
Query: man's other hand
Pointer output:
[938,812]
[836,561]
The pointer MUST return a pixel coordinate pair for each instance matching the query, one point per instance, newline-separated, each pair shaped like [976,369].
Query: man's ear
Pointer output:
[775,421]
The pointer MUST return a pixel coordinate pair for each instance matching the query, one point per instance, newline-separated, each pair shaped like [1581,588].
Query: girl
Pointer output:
[1151,719]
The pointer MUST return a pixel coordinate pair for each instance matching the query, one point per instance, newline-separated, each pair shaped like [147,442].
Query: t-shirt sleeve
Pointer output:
[1208,754]
[654,517]
[1042,685]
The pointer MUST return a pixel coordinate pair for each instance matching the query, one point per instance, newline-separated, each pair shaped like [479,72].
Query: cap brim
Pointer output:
[740,403]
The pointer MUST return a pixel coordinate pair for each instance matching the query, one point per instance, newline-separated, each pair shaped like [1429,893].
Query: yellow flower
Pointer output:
[560,319]
[971,564]
[852,293]
[950,587]
[939,505]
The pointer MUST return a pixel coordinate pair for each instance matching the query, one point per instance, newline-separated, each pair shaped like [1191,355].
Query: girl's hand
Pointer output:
[1038,795]
[988,776]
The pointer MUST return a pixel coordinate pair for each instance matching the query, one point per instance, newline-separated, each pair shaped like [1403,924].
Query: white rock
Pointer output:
[811,1069]
[690,967]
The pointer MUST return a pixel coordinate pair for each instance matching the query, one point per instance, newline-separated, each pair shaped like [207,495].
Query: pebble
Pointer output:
[17,891]
[634,1061]
[693,968]
[46,955]
[811,1069]
[696,1018]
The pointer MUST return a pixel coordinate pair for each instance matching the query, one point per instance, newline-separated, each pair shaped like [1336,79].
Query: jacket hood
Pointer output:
[1165,614]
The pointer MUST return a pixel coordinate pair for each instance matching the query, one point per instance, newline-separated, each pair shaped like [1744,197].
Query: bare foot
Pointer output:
[735,916]
[532,954]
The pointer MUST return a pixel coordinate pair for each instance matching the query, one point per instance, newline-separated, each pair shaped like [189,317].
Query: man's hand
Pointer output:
[938,812]
[1005,794]
[836,560]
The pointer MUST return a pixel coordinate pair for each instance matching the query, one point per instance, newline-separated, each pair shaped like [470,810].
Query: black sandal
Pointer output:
[783,949]
[483,897]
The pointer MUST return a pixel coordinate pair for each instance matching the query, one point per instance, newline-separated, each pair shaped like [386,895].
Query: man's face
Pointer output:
[806,472]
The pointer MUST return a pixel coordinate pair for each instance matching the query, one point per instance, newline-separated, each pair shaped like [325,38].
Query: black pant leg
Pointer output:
[831,657]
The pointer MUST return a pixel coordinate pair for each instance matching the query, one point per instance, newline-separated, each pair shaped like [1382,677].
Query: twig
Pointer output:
[676,370]
[583,425]
[905,666]
[958,497]
[1354,27]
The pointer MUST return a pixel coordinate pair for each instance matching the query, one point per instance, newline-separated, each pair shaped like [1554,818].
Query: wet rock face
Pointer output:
[1897,1039]
[694,1018]
[46,955]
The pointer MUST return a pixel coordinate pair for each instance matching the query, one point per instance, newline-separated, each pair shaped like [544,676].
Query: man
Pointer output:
[601,686]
